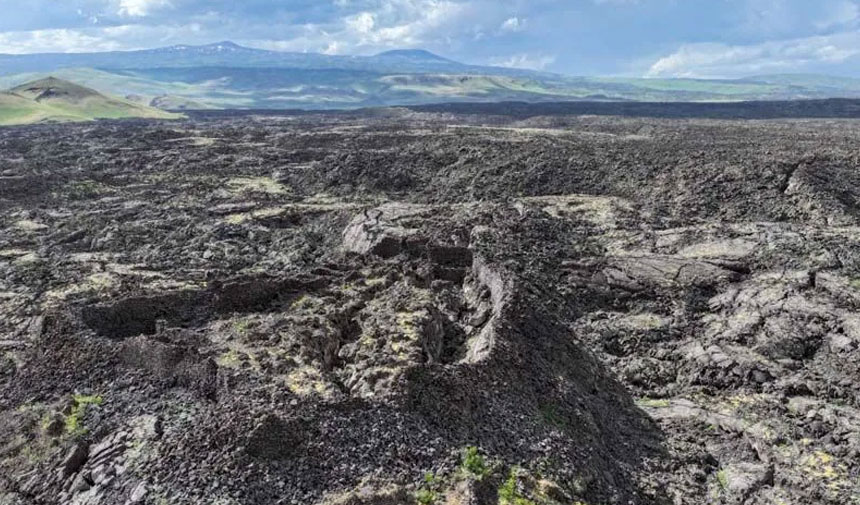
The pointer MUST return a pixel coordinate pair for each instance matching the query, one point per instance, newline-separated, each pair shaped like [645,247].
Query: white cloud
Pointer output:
[98,38]
[55,40]
[346,27]
[380,25]
[362,22]
[334,47]
[524,60]
[513,24]
[722,60]
[140,8]
[399,23]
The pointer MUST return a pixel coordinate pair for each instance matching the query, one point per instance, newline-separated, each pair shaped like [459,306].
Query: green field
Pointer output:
[55,100]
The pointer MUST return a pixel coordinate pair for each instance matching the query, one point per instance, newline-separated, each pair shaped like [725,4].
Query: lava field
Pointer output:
[399,306]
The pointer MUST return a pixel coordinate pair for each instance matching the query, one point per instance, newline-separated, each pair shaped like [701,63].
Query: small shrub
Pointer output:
[473,462]
[79,409]
[428,493]
[426,496]
[508,492]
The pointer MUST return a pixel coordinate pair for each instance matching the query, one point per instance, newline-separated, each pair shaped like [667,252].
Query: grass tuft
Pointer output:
[723,480]
[474,463]
[509,494]
[78,411]
[428,494]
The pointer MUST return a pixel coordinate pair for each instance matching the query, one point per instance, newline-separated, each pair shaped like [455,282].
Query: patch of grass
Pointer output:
[426,496]
[723,480]
[306,381]
[17,110]
[474,463]
[508,489]
[229,359]
[509,494]
[375,281]
[28,407]
[300,302]
[241,327]
[653,403]
[821,466]
[46,421]
[408,324]
[79,408]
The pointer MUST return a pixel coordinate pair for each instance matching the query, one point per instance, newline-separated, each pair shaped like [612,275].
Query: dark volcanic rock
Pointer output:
[401,306]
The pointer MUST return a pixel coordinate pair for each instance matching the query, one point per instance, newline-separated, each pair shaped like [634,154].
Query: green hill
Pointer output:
[56,100]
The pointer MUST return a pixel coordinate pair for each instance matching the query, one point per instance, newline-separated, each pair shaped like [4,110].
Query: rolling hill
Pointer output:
[227,75]
[57,100]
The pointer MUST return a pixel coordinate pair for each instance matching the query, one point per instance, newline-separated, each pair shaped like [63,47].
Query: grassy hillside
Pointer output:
[17,110]
[279,88]
[57,100]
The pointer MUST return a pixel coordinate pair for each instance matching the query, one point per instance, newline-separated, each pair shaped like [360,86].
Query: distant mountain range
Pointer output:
[226,75]
[56,100]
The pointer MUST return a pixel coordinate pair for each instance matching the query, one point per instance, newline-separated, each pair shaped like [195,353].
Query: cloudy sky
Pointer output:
[671,38]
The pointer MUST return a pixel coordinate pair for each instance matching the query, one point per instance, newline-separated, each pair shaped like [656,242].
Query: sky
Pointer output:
[639,38]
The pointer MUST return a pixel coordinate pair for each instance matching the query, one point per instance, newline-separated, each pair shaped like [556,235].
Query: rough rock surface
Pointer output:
[392,308]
